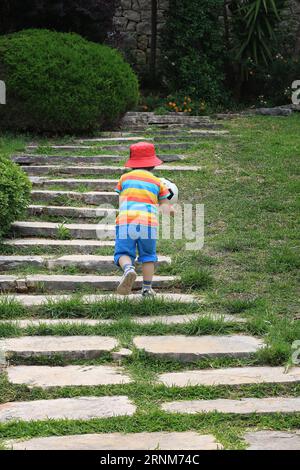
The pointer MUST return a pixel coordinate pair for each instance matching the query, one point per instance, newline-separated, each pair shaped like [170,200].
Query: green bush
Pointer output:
[14,193]
[193,48]
[271,85]
[62,83]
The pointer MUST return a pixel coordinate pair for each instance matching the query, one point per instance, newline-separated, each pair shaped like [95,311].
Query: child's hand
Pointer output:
[167,208]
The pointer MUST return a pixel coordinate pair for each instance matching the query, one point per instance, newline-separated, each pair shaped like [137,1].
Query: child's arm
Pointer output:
[165,207]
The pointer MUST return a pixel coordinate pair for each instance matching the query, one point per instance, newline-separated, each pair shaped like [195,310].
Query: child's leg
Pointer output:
[125,253]
[148,258]
[125,262]
[148,273]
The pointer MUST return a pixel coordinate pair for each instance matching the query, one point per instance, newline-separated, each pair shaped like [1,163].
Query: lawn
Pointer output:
[249,266]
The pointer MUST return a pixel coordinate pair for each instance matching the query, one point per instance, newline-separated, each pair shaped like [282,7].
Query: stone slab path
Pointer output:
[149,320]
[116,441]
[38,300]
[99,170]
[46,376]
[94,198]
[84,408]
[69,211]
[78,245]
[77,231]
[71,347]
[189,349]
[70,189]
[34,159]
[243,406]
[231,376]
[86,262]
[273,440]
[61,282]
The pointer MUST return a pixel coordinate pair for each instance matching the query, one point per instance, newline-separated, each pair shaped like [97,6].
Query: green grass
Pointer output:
[76,308]
[248,266]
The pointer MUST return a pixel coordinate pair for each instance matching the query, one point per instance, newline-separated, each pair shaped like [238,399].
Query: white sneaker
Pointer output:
[126,283]
[148,293]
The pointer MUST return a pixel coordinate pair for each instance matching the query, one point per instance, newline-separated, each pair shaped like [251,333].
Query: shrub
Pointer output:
[194,51]
[58,82]
[92,19]
[14,193]
[271,85]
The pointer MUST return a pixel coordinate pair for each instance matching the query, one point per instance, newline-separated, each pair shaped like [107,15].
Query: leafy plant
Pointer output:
[254,25]
[193,50]
[14,193]
[62,83]
[63,233]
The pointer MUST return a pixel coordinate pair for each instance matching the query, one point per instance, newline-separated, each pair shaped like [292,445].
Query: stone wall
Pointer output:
[291,23]
[132,22]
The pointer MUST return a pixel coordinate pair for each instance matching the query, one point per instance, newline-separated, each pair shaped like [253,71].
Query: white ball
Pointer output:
[174,193]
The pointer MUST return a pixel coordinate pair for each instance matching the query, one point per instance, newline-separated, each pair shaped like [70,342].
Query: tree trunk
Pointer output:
[297,45]
[153,39]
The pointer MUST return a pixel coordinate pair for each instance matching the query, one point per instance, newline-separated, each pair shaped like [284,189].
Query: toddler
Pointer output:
[140,194]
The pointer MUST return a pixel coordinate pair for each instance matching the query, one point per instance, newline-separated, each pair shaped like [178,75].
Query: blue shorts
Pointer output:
[133,239]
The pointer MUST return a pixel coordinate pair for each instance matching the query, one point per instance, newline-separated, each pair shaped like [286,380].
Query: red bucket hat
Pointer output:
[143,155]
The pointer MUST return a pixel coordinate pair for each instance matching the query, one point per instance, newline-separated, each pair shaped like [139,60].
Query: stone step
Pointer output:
[186,132]
[94,184]
[37,300]
[132,119]
[79,245]
[72,212]
[155,131]
[117,441]
[231,376]
[173,118]
[49,229]
[172,126]
[69,376]
[273,440]
[94,197]
[80,408]
[112,148]
[99,170]
[192,139]
[61,282]
[144,320]
[156,137]
[160,147]
[86,262]
[94,262]
[119,139]
[193,348]
[243,406]
[69,347]
[32,159]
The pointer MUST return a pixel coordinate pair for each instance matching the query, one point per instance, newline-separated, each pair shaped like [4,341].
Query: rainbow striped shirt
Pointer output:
[140,192]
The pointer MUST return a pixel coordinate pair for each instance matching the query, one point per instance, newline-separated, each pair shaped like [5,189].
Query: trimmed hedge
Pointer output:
[62,83]
[14,193]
